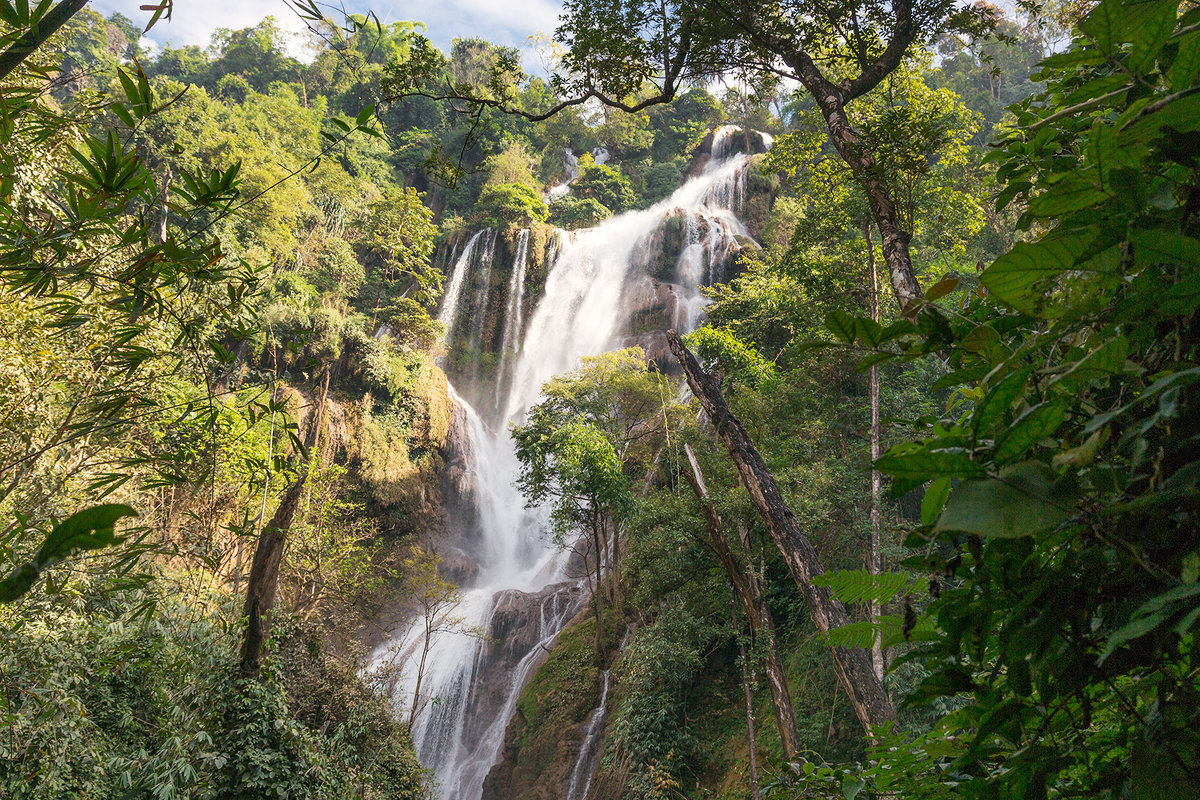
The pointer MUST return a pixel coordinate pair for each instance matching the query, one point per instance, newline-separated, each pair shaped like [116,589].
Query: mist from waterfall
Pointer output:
[460,730]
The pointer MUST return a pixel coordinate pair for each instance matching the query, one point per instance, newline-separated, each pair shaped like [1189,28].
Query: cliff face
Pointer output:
[542,745]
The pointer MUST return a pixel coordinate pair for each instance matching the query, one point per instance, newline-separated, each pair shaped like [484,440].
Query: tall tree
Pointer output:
[631,54]
[871,703]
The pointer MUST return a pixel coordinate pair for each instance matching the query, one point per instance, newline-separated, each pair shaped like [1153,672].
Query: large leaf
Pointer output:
[90,529]
[1030,428]
[1103,24]
[998,400]
[841,325]
[1075,192]
[928,462]
[1147,25]
[1021,501]
[860,586]
[1019,277]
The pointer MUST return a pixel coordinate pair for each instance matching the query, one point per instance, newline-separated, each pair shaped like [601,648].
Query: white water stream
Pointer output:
[521,587]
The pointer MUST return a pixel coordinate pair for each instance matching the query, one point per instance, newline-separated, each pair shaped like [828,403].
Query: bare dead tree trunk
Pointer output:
[748,696]
[871,703]
[748,590]
[875,564]
[262,584]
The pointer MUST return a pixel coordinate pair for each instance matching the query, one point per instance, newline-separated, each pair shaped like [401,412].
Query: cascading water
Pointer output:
[458,277]
[513,319]
[589,749]
[521,596]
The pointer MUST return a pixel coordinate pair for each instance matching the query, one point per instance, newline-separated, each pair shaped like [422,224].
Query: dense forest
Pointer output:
[753,400]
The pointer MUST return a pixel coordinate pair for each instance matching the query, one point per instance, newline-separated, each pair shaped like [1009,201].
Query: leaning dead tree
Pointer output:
[263,582]
[871,703]
[749,591]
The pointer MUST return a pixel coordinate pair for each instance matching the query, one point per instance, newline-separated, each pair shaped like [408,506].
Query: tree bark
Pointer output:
[875,564]
[262,584]
[747,589]
[871,703]
[748,697]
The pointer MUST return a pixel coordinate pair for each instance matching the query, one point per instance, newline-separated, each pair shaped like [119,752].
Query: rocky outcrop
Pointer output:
[542,743]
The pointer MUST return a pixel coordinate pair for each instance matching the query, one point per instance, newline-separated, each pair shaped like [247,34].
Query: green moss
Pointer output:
[546,732]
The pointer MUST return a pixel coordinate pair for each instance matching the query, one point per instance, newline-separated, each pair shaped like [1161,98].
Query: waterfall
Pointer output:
[483,293]
[453,292]
[510,341]
[521,596]
[585,764]
[589,749]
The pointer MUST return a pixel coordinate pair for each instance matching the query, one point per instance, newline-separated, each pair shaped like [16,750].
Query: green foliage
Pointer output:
[102,705]
[572,213]
[605,184]
[504,204]
[1067,543]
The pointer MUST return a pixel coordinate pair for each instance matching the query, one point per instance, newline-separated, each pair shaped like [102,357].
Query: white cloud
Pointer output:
[193,21]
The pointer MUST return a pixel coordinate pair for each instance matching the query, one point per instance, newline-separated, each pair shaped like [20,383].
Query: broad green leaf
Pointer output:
[860,586]
[1165,247]
[841,325]
[1103,24]
[985,341]
[900,327]
[1180,113]
[1021,501]
[1030,428]
[1147,25]
[868,330]
[998,400]
[942,288]
[1075,192]
[873,359]
[1186,65]
[1018,277]
[934,500]
[926,463]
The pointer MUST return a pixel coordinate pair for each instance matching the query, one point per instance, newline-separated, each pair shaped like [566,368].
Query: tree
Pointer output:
[634,54]
[576,469]
[400,231]
[597,429]
[1059,516]
[606,185]
[871,703]
[434,598]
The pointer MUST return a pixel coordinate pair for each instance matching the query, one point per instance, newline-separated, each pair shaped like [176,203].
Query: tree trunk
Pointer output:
[263,581]
[848,143]
[870,701]
[748,696]
[416,703]
[875,563]
[746,588]
[262,584]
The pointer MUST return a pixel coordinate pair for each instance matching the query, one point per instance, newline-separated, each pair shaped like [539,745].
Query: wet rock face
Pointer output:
[543,740]
[519,635]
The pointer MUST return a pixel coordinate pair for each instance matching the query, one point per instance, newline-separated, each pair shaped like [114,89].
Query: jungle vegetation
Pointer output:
[937,526]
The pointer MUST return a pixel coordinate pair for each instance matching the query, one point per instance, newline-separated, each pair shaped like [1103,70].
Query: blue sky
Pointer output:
[495,20]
